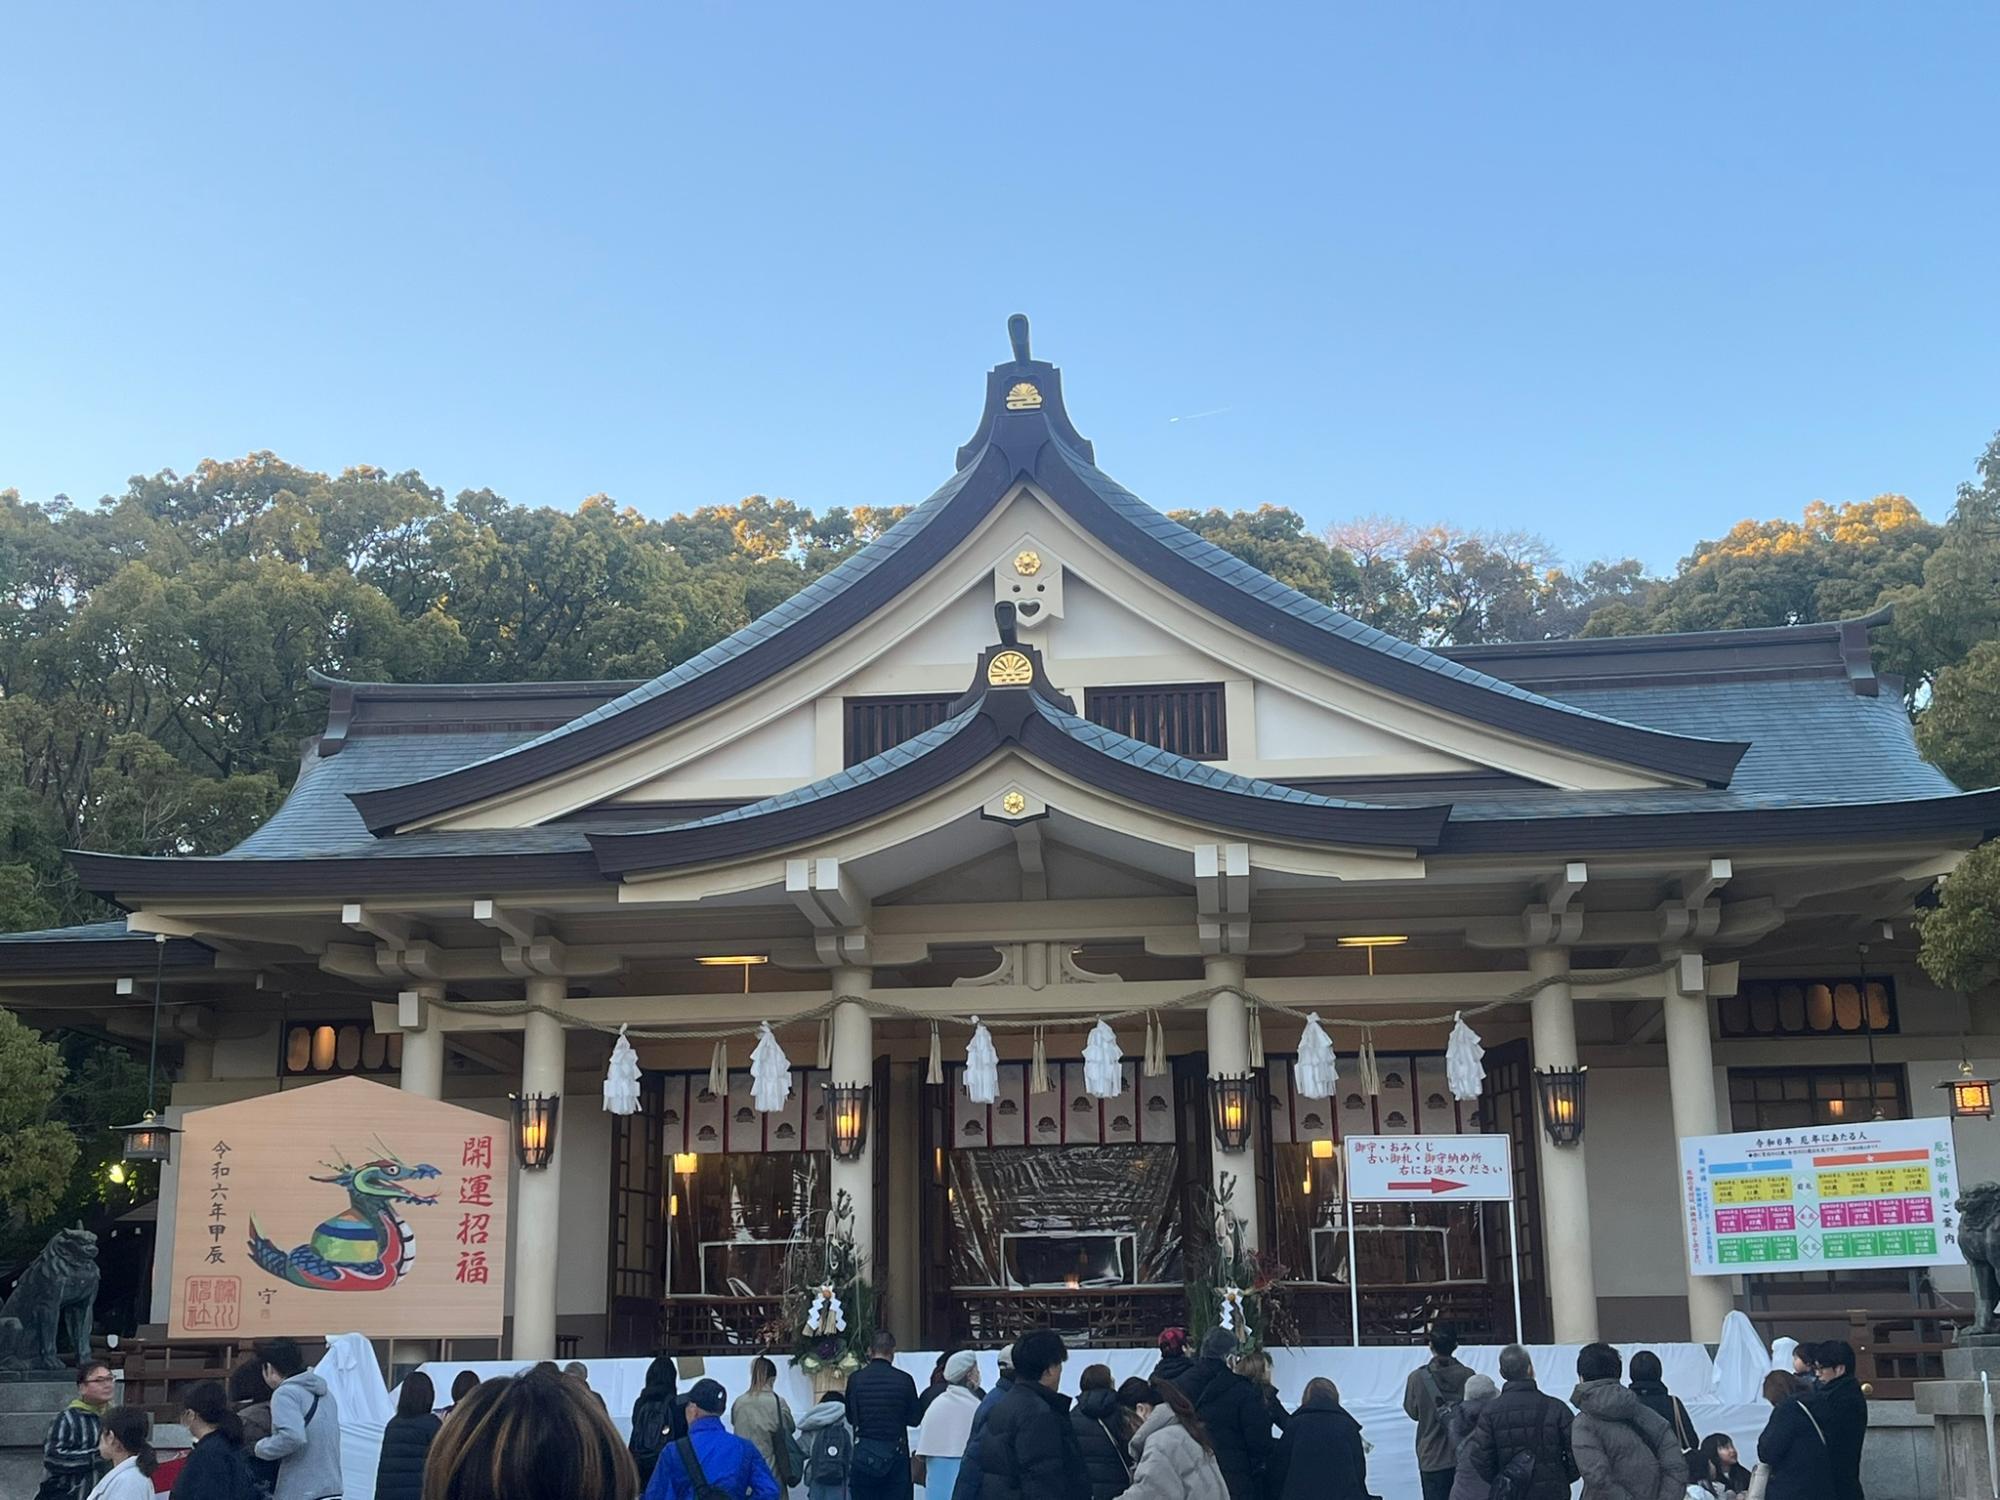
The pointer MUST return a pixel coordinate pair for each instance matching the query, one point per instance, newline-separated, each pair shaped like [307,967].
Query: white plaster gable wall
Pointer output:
[771,758]
[1289,729]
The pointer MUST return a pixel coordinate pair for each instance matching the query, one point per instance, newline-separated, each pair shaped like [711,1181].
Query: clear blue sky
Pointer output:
[1619,274]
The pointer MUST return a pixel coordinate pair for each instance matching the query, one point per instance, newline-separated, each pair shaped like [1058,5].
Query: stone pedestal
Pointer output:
[27,1407]
[1956,1404]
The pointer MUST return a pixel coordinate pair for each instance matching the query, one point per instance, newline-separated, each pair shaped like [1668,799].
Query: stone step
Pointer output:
[24,1429]
[48,1396]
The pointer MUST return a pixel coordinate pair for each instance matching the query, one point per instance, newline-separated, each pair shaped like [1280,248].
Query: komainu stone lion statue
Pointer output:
[1979,1243]
[49,1308]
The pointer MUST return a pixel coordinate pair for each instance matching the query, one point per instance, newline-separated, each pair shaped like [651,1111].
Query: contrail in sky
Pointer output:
[1195,416]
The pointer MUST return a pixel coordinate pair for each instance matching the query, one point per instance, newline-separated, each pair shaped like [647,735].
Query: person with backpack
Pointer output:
[1520,1450]
[947,1426]
[1624,1451]
[657,1416]
[1431,1398]
[711,1462]
[829,1445]
[1792,1453]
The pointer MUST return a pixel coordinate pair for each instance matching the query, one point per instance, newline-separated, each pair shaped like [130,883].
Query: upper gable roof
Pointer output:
[1025,434]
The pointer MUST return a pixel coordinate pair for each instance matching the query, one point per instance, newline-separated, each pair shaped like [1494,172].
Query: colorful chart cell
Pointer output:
[1770,1189]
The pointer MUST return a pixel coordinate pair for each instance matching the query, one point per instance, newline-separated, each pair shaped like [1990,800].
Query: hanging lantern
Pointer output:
[847,1120]
[1561,1094]
[1230,1096]
[1971,1098]
[149,1139]
[535,1129]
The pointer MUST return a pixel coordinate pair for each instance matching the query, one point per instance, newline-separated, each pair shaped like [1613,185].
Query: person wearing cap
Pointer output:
[1842,1409]
[1233,1410]
[971,1478]
[947,1425]
[722,1459]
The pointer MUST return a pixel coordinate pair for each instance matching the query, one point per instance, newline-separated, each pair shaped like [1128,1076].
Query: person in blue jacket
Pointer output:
[726,1461]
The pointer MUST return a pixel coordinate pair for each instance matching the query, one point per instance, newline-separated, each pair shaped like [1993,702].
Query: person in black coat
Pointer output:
[1651,1389]
[406,1441]
[882,1407]
[1099,1421]
[1842,1409]
[1793,1444]
[1174,1361]
[1233,1410]
[658,1418]
[217,1467]
[1028,1450]
[1321,1456]
[1521,1419]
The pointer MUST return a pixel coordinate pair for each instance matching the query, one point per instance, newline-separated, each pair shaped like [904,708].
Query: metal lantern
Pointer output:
[535,1130]
[1561,1094]
[847,1120]
[1971,1098]
[149,1139]
[1230,1097]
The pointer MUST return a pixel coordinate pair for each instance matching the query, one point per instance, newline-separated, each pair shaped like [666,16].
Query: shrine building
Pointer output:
[1041,755]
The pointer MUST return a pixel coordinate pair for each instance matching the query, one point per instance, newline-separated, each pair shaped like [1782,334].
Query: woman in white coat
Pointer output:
[1171,1455]
[123,1445]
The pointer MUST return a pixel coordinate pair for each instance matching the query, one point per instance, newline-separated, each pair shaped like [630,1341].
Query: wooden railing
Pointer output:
[1323,1314]
[157,1375]
[1893,1347]
[1086,1316]
[721,1325]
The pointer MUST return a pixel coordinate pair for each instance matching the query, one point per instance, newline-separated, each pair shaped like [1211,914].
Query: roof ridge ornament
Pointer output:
[1017,335]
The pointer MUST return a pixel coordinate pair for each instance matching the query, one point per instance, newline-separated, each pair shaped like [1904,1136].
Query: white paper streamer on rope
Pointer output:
[1230,1313]
[1257,1038]
[826,1316]
[621,1080]
[982,1066]
[770,1072]
[825,1044]
[1103,1064]
[1038,1070]
[1464,1071]
[935,1072]
[1314,1075]
[1371,1075]
[718,1070]
[1156,1045]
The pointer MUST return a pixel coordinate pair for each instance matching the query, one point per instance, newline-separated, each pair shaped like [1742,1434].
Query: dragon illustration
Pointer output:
[366,1247]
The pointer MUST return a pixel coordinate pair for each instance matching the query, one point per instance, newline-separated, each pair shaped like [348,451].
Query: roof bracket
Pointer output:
[1557,920]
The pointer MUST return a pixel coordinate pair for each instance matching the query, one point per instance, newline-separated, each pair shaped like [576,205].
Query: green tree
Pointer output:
[1959,729]
[37,1153]
[1959,942]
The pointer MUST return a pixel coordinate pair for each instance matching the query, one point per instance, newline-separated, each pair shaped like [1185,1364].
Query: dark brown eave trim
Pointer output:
[1972,817]
[1009,716]
[120,876]
[111,956]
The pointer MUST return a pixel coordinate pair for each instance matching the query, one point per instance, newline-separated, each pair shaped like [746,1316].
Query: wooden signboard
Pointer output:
[343,1207]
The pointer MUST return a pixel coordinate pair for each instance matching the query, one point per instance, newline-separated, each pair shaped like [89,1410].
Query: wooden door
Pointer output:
[638,1269]
[1507,1107]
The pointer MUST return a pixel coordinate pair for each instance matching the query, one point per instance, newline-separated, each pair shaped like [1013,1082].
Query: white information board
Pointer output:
[1879,1193]
[1430,1169]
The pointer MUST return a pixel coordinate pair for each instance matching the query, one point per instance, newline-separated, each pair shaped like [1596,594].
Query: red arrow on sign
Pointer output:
[1435,1186]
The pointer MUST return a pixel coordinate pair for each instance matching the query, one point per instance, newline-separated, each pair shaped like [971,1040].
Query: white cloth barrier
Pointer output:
[1370,1381]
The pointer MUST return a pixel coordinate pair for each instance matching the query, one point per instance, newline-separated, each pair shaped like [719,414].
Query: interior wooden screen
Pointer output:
[638,1235]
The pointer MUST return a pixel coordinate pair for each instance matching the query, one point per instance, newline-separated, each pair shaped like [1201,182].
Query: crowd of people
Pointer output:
[1207,1424]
